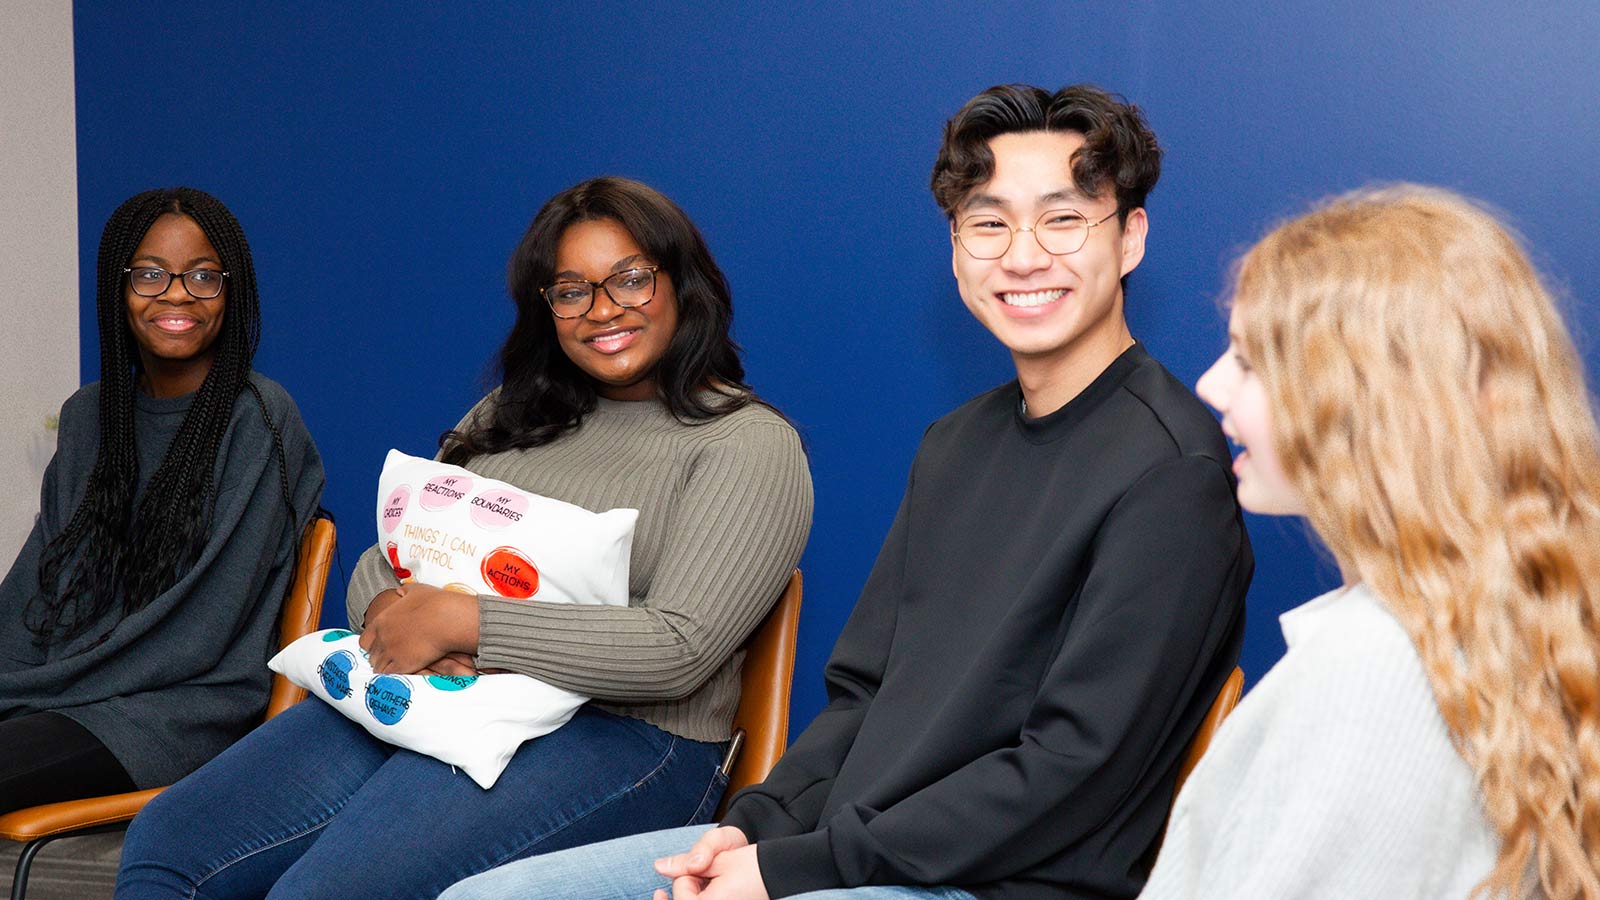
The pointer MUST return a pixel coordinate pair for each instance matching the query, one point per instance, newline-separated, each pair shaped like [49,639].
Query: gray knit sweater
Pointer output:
[173,684]
[724,511]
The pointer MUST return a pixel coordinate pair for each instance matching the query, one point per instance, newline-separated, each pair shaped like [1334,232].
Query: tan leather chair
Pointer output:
[1227,699]
[302,610]
[761,726]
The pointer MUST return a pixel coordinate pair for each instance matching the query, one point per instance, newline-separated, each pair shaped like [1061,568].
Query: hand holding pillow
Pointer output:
[450,536]
[422,626]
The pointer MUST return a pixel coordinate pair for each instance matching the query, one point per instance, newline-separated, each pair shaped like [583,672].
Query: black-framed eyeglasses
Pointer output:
[628,288]
[152,281]
[1058,231]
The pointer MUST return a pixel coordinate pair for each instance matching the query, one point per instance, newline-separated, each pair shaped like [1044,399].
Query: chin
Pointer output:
[1253,501]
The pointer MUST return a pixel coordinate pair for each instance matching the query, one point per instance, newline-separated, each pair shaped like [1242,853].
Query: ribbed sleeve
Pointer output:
[371,577]
[724,511]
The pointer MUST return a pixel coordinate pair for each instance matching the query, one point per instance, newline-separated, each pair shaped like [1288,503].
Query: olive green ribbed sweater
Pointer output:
[724,510]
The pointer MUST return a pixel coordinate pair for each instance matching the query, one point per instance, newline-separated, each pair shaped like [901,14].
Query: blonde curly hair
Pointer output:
[1430,409]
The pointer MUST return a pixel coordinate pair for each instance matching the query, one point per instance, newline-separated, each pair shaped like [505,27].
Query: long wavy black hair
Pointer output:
[114,554]
[543,394]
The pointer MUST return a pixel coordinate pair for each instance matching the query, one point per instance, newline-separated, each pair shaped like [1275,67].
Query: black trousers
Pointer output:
[46,757]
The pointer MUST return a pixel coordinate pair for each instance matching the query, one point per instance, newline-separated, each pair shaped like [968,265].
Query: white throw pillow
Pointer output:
[475,723]
[441,525]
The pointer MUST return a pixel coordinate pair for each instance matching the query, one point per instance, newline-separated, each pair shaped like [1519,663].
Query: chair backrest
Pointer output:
[302,607]
[1227,699]
[761,726]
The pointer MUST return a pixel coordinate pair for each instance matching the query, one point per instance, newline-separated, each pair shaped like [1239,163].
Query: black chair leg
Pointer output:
[19,885]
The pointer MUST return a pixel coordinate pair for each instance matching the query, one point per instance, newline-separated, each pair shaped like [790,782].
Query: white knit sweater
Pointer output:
[1335,778]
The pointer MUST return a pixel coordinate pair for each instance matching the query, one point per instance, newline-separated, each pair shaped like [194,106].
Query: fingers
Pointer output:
[697,859]
[450,665]
[374,649]
[673,866]
[717,840]
[687,887]
[694,862]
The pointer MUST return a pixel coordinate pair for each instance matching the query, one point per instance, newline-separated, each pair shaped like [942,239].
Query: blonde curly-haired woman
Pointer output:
[1398,375]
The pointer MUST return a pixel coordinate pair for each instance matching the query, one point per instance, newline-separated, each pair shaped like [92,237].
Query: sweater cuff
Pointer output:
[760,817]
[798,864]
[491,628]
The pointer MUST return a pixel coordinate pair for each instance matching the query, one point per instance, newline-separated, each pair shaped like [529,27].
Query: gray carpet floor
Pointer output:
[81,868]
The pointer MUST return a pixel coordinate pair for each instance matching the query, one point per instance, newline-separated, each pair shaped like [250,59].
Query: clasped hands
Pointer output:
[421,629]
[720,866]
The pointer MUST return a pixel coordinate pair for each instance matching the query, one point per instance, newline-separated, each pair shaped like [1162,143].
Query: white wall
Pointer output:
[38,252]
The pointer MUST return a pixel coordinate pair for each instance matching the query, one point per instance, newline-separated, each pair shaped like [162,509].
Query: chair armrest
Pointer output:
[72,815]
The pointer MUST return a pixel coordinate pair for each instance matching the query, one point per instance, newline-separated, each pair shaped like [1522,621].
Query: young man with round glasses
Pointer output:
[1057,602]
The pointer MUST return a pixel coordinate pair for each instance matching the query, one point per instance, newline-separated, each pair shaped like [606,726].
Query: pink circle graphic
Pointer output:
[395,507]
[499,508]
[442,492]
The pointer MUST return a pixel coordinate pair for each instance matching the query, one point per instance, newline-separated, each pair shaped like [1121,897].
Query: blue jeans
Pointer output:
[311,806]
[622,869]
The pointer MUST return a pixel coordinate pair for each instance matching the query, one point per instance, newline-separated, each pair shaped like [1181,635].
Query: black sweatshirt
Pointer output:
[1053,611]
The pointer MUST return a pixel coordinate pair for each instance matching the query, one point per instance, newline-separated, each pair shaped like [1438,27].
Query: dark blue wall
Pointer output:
[383,168]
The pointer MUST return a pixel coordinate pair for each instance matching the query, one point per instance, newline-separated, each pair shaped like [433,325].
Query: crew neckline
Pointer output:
[1058,424]
[647,408]
[1303,621]
[162,406]
[650,407]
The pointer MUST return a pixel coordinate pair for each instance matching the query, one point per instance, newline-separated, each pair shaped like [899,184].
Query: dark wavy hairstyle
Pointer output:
[1119,150]
[114,554]
[543,394]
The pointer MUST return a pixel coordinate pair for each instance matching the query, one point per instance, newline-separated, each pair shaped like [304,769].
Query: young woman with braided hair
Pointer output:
[136,622]
[1398,375]
[621,388]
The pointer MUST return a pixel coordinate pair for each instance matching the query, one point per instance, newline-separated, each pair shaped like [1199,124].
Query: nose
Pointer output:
[1213,386]
[603,309]
[176,291]
[1025,254]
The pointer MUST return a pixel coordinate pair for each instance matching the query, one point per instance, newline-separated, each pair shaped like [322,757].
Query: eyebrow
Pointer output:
[1060,195]
[1064,195]
[163,263]
[627,262]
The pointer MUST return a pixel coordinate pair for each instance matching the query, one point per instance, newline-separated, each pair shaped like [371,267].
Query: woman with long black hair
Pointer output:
[621,388]
[136,621]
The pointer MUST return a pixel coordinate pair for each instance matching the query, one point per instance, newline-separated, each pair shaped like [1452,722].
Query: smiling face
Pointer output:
[1047,309]
[175,332]
[619,347]
[1232,386]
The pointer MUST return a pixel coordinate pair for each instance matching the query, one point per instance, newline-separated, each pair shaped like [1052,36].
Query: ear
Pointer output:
[955,255]
[1133,234]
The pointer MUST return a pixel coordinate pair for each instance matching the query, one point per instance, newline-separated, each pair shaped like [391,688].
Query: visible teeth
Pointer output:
[1032,298]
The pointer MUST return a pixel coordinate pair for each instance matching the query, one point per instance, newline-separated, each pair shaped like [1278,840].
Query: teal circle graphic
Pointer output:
[452,682]
[335,673]
[388,698]
[337,634]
